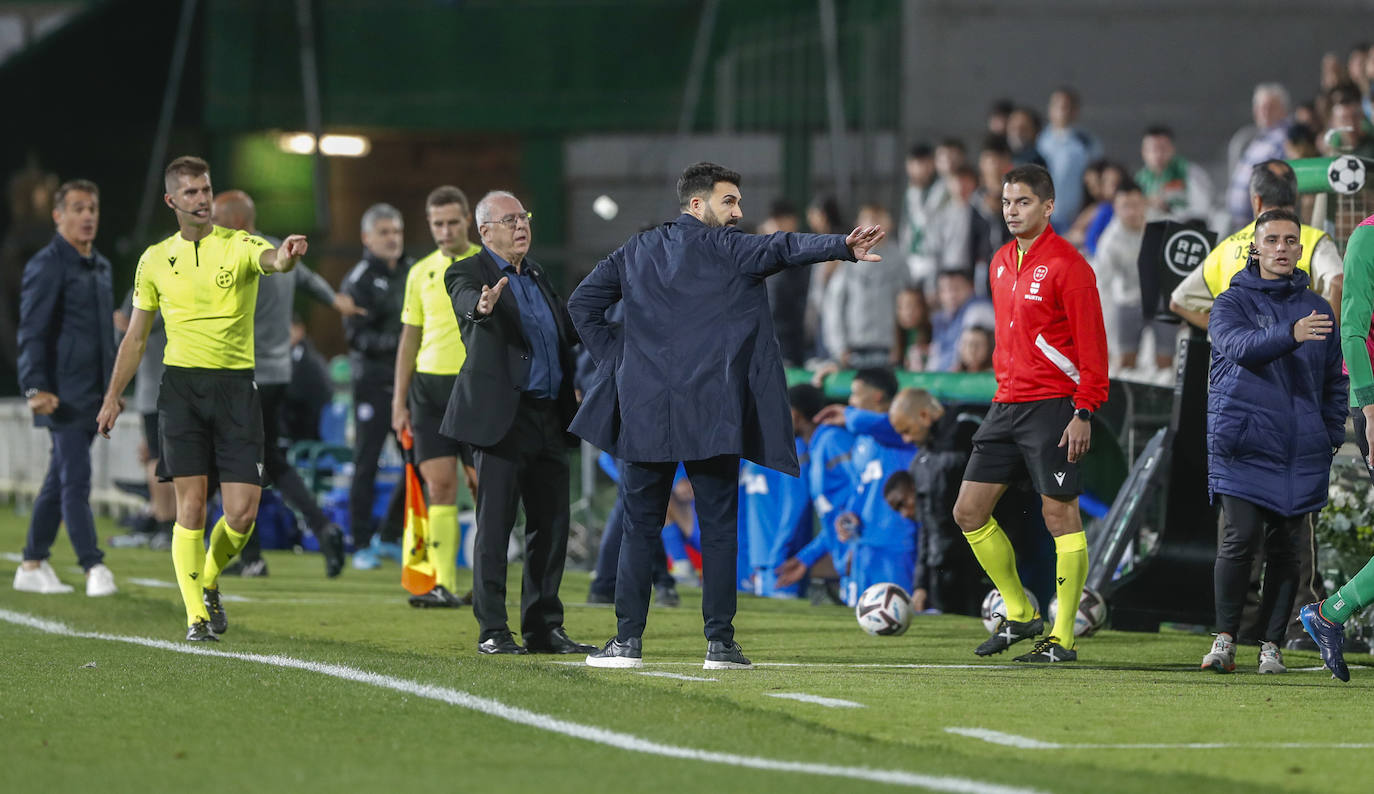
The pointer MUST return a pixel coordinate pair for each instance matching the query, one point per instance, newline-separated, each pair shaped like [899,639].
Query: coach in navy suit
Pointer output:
[691,374]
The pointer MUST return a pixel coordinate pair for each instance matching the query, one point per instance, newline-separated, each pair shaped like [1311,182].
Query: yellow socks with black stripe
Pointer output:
[1353,596]
[443,544]
[1071,571]
[993,550]
[188,558]
[225,542]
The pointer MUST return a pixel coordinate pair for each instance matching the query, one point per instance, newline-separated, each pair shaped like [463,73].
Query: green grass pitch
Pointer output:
[83,713]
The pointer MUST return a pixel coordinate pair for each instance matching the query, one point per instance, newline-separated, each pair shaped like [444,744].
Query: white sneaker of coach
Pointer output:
[100,581]
[42,579]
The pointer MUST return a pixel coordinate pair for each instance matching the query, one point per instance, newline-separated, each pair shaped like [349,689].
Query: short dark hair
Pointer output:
[447,194]
[1344,93]
[807,399]
[1269,216]
[968,171]
[782,208]
[1128,185]
[699,180]
[1034,177]
[997,144]
[1001,107]
[955,272]
[920,151]
[186,165]
[880,378]
[1359,46]
[1271,189]
[951,143]
[81,185]
[900,480]
[830,208]
[1162,130]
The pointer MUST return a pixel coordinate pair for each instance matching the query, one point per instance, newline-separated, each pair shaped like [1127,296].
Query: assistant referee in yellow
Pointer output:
[204,279]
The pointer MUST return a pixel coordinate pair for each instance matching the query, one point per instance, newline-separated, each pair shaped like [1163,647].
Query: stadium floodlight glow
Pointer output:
[330,145]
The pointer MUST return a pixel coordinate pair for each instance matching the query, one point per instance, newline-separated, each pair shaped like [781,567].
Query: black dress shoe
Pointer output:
[331,540]
[501,643]
[557,641]
[439,596]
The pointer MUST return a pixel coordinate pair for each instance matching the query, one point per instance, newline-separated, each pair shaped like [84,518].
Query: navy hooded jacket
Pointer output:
[1276,409]
[692,370]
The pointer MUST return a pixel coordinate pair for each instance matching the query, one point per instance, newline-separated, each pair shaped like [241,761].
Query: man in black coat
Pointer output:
[66,351]
[512,401]
[691,375]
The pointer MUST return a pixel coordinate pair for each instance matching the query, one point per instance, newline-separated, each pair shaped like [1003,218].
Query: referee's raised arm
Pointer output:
[283,259]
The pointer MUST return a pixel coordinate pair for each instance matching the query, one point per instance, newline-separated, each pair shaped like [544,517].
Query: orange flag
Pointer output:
[417,571]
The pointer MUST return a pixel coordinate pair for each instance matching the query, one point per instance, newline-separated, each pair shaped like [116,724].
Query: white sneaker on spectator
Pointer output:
[42,579]
[1271,659]
[100,581]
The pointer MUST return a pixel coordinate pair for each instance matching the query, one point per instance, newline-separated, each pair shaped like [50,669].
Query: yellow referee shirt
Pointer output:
[429,308]
[207,291]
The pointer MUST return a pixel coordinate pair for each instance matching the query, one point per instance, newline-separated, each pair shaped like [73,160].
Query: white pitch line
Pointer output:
[1027,743]
[830,703]
[543,722]
[10,556]
[674,676]
[172,586]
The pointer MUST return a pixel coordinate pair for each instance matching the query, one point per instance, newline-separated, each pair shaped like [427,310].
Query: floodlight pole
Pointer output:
[164,120]
[834,100]
[310,93]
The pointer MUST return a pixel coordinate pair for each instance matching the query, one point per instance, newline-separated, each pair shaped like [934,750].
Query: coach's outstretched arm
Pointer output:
[763,255]
[588,304]
[126,364]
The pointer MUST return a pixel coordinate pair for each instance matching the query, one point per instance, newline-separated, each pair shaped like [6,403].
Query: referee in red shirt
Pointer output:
[1051,364]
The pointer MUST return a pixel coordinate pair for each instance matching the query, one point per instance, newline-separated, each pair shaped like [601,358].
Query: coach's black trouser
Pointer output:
[529,465]
[1248,528]
[371,426]
[644,491]
[281,475]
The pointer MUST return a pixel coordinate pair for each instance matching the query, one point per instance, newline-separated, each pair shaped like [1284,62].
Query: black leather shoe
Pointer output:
[557,641]
[439,596]
[332,546]
[501,643]
[618,655]
[666,596]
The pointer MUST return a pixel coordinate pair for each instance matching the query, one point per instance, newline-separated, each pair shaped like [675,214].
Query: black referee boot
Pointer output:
[200,632]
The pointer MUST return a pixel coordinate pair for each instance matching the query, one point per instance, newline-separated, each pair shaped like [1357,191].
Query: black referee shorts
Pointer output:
[428,400]
[150,436]
[1020,440]
[210,421]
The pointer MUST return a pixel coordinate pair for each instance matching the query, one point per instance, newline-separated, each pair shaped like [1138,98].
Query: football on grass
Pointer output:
[1092,613]
[884,610]
[994,604]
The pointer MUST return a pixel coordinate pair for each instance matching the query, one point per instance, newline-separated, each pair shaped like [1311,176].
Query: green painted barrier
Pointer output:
[957,387]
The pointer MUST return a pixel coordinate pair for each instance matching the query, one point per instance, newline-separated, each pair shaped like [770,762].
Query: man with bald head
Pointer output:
[234,209]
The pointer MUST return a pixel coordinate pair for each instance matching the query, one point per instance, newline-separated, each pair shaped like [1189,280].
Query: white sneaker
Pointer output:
[1271,659]
[42,579]
[1222,657]
[100,581]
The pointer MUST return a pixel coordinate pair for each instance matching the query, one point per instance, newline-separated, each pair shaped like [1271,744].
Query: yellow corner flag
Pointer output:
[417,570]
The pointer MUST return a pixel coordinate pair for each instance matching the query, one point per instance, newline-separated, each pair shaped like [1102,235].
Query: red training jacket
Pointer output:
[1050,338]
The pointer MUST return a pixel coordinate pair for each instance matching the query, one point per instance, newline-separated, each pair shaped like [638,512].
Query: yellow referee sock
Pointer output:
[1071,571]
[225,542]
[188,557]
[443,544]
[994,553]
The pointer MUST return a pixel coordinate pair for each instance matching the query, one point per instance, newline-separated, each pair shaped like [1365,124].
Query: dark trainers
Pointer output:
[666,596]
[725,656]
[1048,651]
[200,632]
[331,540]
[219,622]
[618,655]
[1330,639]
[1010,632]
[438,597]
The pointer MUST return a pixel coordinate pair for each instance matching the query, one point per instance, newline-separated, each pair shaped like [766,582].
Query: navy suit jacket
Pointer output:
[66,332]
[692,370]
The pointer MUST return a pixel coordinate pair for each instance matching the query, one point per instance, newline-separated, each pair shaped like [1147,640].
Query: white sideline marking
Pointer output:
[10,556]
[1027,743]
[674,676]
[544,722]
[172,585]
[830,703]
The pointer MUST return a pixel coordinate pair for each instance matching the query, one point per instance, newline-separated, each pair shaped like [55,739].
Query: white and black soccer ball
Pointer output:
[994,604]
[884,610]
[1346,174]
[1092,613]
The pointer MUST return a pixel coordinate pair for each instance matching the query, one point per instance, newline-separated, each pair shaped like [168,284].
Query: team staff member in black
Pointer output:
[204,279]
[511,402]
[377,286]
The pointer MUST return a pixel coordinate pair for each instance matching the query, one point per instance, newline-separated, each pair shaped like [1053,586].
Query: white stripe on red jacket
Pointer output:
[1050,338]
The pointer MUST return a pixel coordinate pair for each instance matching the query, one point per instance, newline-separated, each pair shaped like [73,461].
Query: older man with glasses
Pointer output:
[511,401]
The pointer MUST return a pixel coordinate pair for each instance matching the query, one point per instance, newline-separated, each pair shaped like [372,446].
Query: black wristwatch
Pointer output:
[1084,414]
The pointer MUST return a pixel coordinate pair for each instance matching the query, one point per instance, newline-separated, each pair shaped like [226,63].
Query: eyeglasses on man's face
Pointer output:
[511,221]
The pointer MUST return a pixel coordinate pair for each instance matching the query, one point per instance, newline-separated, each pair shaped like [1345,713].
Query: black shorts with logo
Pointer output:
[210,422]
[428,400]
[1020,440]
